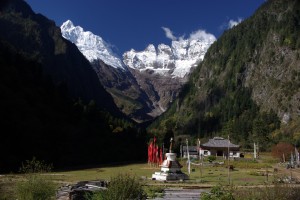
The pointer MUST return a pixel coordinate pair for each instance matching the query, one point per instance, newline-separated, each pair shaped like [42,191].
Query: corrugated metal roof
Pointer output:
[219,142]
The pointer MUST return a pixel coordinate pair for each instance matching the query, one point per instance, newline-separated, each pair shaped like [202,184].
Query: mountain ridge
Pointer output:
[92,46]
[40,39]
[154,76]
[175,60]
[53,107]
[247,86]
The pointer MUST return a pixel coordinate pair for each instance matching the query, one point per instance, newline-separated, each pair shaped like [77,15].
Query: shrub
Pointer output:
[121,187]
[218,193]
[154,191]
[36,188]
[281,149]
[211,158]
[35,166]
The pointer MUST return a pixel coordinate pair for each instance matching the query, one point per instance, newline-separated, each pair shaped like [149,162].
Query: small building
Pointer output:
[193,151]
[219,146]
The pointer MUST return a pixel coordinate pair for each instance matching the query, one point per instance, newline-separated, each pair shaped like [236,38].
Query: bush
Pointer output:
[121,187]
[211,158]
[36,188]
[218,193]
[35,166]
[154,191]
[281,149]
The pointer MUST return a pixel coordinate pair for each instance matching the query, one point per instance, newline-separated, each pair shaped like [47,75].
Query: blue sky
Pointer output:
[128,24]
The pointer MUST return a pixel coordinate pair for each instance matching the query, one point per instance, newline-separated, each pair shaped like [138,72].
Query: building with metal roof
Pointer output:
[219,146]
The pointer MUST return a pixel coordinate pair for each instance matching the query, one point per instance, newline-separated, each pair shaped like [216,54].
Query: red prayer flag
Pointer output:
[150,152]
[156,154]
[160,156]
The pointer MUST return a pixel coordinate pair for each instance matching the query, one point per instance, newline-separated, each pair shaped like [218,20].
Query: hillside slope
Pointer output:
[38,38]
[52,104]
[111,71]
[247,82]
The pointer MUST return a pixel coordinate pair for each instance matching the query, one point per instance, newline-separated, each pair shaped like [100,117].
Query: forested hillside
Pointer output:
[248,86]
[52,104]
[39,119]
[35,36]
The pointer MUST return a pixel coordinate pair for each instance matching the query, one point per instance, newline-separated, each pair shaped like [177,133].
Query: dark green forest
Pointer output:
[52,104]
[223,96]
[39,119]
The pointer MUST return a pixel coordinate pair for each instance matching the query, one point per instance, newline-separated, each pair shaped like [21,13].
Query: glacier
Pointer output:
[93,47]
[175,60]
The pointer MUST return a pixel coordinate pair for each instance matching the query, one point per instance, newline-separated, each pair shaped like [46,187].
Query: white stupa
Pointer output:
[170,168]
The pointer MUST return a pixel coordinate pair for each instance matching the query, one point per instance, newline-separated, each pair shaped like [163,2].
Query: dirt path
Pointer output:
[181,194]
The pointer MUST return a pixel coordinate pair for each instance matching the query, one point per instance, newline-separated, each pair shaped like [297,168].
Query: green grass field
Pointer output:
[245,173]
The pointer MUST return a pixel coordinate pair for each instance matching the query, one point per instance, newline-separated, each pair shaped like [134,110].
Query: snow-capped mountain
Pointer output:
[175,60]
[93,47]
[111,72]
[149,80]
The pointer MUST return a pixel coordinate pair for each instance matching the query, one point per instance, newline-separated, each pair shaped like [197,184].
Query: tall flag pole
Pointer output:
[257,150]
[254,153]
[181,152]
[199,148]
[171,145]
[228,162]
[200,157]
[292,159]
[297,156]
[188,155]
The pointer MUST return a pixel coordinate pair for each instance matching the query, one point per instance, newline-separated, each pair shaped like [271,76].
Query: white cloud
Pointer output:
[196,35]
[169,33]
[202,35]
[233,23]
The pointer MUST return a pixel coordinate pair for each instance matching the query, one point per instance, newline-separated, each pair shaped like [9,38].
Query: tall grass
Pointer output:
[274,192]
[218,192]
[35,187]
[278,192]
[121,187]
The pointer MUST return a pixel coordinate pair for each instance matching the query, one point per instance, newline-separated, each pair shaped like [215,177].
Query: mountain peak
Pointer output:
[93,47]
[150,48]
[67,24]
[175,60]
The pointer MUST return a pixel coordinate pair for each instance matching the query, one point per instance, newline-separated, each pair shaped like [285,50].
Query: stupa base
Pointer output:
[170,176]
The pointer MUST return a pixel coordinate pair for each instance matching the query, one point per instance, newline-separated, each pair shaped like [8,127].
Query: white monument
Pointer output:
[170,168]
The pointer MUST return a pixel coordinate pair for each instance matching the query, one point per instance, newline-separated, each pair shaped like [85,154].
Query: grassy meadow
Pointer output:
[245,173]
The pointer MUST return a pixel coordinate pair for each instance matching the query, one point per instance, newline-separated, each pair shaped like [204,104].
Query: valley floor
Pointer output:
[246,175]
